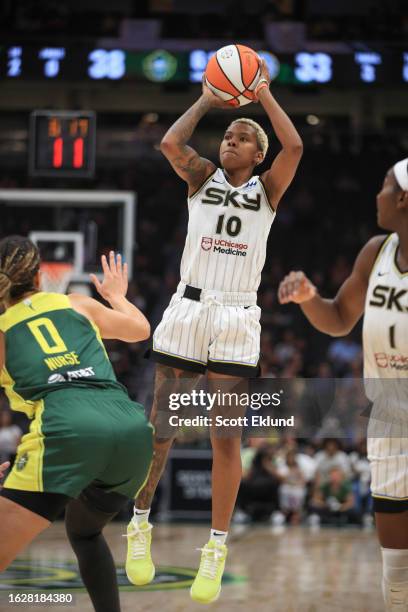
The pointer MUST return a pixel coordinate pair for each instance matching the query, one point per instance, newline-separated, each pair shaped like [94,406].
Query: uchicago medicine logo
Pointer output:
[206,243]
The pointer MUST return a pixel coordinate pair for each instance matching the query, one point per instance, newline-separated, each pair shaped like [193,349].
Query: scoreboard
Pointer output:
[62,143]
[57,63]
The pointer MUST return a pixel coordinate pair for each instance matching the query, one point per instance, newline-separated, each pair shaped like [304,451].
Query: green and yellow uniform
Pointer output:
[84,428]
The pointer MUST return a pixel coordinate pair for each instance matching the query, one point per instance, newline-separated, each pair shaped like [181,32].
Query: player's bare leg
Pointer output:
[139,565]
[168,380]
[227,468]
[226,478]
[18,527]
[393,535]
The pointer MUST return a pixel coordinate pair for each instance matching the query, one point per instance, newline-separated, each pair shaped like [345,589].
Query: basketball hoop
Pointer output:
[55,276]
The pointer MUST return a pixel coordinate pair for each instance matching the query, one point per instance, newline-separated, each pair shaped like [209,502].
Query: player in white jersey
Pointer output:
[212,322]
[378,287]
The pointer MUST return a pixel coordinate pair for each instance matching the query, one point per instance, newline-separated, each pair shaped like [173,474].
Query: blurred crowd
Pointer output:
[294,481]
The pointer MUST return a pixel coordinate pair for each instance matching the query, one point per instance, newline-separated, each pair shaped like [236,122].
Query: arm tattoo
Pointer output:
[190,163]
[184,127]
[187,161]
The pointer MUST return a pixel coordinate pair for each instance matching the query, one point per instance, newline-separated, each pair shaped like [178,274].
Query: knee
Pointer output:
[78,528]
[395,577]
[75,534]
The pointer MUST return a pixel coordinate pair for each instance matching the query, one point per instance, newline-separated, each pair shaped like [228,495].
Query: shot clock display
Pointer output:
[62,143]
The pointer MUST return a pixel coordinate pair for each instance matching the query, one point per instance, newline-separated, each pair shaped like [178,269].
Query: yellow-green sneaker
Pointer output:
[139,565]
[206,587]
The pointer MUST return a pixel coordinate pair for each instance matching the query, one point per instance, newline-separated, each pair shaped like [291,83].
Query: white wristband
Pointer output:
[263,80]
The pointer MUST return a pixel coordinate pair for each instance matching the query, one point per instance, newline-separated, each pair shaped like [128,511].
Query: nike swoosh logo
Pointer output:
[382,273]
[220,182]
[136,512]
[215,533]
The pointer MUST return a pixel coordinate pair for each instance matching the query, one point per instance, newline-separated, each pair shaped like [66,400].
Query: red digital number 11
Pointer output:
[77,156]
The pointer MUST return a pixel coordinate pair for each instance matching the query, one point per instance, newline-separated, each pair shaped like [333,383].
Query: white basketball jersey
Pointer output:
[227,234]
[385,330]
[385,340]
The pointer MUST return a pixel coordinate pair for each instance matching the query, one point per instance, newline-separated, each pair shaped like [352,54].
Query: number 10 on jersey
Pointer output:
[232,225]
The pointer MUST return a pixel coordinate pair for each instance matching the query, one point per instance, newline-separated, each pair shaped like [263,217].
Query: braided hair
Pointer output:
[19,263]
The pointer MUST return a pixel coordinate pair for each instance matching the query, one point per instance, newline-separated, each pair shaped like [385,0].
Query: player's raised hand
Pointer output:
[213,100]
[3,467]
[115,277]
[296,287]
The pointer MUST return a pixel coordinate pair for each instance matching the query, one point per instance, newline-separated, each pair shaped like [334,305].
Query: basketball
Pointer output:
[233,73]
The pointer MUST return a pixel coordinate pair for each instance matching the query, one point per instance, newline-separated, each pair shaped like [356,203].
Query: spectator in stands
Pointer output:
[249,451]
[333,501]
[329,457]
[258,496]
[292,491]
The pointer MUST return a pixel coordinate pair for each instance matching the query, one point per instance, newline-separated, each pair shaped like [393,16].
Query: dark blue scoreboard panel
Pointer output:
[78,63]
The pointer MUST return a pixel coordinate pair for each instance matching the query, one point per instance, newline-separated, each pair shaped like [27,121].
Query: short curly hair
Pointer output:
[261,137]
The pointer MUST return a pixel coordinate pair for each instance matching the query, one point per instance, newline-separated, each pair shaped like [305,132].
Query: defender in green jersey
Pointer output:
[89,446]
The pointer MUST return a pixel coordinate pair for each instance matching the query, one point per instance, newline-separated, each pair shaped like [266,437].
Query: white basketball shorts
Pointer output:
[211,329]
[389,471]
[387,446]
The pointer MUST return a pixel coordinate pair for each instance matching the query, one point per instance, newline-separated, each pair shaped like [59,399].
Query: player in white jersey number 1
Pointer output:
[378,287]
[212,322]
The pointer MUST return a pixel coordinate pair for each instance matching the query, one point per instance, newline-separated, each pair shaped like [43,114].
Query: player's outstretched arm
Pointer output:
[123,321]
[278,178]
[185,160]
[336,317]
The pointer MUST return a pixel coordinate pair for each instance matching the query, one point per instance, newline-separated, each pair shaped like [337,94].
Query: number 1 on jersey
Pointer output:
[392,336]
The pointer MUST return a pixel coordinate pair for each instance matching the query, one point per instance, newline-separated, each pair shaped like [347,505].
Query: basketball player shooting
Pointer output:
[212,322]
[377,287]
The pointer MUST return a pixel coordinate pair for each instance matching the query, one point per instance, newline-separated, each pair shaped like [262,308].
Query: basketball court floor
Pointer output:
[296,570]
